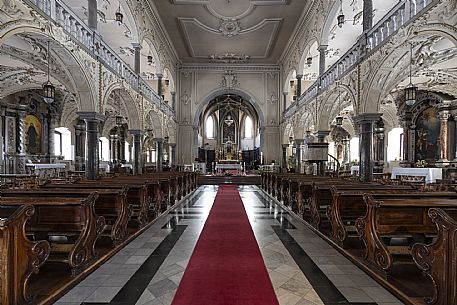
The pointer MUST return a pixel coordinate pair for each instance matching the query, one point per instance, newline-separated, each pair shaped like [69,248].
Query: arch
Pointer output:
[154,122]
[167,71]
[133,115]
[331,17]
[371,98]
[301,66]
[84,87]
[155,55]
[131,20]
[248,97]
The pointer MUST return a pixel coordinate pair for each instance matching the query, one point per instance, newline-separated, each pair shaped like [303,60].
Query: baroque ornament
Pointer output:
[229,27]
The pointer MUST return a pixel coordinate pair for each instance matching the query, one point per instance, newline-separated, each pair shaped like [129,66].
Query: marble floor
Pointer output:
[303,268]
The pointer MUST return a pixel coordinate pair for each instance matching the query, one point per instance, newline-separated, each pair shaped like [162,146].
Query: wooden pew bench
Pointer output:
[405,218]
[348,204]
[111,204]
[137,195]
[19,257]
[438,260]
[74,219]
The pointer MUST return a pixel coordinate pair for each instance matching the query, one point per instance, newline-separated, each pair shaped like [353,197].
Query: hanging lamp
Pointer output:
[410,89]
[49,91]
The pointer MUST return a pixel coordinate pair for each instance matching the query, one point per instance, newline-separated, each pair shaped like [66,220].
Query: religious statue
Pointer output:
[32,140]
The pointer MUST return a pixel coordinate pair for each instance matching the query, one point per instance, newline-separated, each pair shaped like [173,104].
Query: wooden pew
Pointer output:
[73,218]
[137,195]
[322,197]
[19,257]
[439,259]
[111,204]
[348,204]
[386,218]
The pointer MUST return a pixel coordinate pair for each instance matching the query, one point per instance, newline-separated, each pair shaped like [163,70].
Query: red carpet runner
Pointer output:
[226,267]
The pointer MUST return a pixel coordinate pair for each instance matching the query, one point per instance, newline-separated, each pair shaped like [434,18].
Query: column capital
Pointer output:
[91,116]
[159,75]
[322,133]
[285,145]
[323,47]
[137,45]
[136,132]
[159,140]
[367,117]
[299,76]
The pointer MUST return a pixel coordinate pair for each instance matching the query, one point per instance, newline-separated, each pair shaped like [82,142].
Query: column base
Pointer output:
[442,163]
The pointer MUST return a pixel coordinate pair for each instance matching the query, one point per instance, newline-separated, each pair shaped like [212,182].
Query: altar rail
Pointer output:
[62,15]
[400,15]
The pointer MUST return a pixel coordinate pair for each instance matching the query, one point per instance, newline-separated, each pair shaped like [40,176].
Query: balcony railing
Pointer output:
[62,15]
[398,16]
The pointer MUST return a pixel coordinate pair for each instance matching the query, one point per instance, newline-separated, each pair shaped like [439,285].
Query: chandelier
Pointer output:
[228,120]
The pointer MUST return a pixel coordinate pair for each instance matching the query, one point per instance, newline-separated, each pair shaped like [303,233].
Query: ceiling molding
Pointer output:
[213,11]
[262,51]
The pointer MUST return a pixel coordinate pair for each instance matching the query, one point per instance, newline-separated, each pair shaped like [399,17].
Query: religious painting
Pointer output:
[33,135]
[10,135]
[228,130]
[427,135]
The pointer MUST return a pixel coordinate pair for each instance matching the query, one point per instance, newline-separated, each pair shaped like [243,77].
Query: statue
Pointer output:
[32,139]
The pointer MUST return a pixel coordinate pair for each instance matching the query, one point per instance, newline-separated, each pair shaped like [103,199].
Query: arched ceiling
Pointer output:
[230,31]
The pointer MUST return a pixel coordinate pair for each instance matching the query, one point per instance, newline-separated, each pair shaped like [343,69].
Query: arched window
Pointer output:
[248,127]
[209,127]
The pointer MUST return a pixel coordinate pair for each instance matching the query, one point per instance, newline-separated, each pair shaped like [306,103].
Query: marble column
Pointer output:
[444,116]
[284,101]
[53,124]
[122,148]
[365,126]
[137,151]
[159,84]
[92,14]
[172,155]
[367,15]
[298,156]
[173,100]
[113,150]
[408,154]
[322,50]
[299,78]
[284,155]
[321,139]
[21,149]
[93,121]
[159,154]
[346,151]
[137,58]
[80,146]
[379,147]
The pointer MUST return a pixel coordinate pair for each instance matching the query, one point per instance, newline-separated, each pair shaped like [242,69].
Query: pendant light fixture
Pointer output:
[340,18]
[410,89]
[49,91]
[150,59]
[309,59]
[339,118]
[118,15]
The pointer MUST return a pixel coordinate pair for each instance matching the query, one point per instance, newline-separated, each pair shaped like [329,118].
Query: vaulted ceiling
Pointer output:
[230,31]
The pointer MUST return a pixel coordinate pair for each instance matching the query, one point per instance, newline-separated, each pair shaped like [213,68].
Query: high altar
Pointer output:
[228,158]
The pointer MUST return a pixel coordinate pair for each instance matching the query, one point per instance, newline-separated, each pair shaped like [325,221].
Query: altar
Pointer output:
[46,170]
[430,174]
[223,167]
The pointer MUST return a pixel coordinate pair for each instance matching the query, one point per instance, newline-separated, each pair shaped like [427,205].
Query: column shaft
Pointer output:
[92,120]
[365,125]
[299,77]
[137,59]
[92,14]
[137,150]
[159,154]
[367,15]
[322,50]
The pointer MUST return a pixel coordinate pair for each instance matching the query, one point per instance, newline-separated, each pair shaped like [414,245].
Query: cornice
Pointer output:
[237,68]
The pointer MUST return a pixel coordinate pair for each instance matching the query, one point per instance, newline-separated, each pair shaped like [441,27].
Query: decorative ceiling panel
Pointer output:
[241,41]
[230,31]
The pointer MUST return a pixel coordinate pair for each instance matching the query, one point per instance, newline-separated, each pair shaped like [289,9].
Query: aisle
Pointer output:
[226,266]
